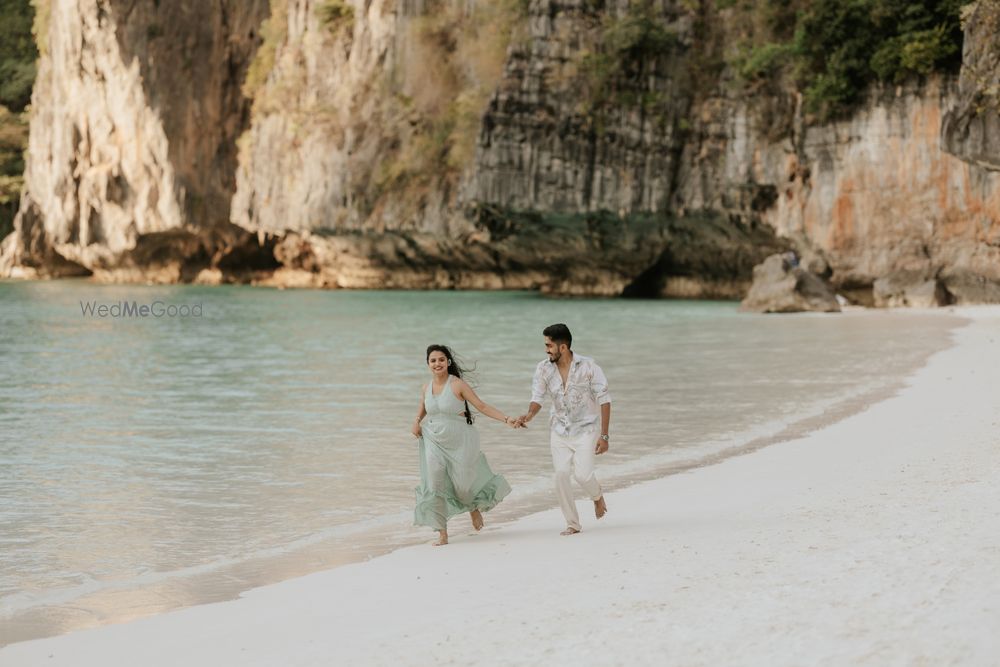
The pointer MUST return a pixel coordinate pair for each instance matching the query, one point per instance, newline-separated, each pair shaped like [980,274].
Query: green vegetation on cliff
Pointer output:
[629,47]
[625,56]
[832,50]
[17,54]
[335,14]
[13,142]
[441,91]
[272,33]
[17,76]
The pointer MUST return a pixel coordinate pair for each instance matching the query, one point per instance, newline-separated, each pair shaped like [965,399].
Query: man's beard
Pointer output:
[555,359]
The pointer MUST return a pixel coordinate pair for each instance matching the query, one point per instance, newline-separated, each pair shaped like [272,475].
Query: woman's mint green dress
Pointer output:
[454,474]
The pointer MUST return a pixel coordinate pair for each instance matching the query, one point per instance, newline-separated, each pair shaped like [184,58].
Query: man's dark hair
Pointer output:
[559,333]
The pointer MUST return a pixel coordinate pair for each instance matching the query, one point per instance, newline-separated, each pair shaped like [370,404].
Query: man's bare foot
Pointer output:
[442,539]
[600,507]
[570,531]
[477,519]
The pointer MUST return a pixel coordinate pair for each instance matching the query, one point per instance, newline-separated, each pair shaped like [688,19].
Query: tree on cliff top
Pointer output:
[833,49]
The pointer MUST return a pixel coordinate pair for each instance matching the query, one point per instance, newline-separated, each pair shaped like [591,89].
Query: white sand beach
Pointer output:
[874,541]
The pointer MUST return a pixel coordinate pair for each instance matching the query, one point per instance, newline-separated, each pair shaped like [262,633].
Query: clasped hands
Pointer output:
[519,422]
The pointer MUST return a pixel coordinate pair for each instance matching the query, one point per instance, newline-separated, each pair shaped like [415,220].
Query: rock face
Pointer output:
[323,120]
[594,254]
[465,143]
[910,289]
[539,196]
[131,161]
[878,197]
[782,286]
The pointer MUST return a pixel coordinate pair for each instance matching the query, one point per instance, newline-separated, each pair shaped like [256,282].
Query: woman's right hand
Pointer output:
[416,430]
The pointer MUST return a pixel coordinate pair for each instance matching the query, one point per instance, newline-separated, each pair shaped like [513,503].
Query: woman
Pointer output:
[454,474]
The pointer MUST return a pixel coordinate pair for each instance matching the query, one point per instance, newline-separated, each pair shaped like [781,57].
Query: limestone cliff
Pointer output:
[131,157]
[567,145]
[972,125]
[445,144]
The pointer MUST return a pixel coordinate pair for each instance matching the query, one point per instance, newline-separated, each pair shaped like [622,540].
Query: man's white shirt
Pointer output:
[575,407]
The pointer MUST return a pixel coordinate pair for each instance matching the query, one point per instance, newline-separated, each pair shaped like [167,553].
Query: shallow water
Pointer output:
[150,463]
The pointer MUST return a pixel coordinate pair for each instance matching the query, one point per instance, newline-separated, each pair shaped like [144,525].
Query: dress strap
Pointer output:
[430,387]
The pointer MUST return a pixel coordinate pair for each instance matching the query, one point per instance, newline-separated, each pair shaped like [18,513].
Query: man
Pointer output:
[579,419]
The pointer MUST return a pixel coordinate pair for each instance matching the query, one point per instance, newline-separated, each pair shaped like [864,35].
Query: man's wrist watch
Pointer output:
[604,437]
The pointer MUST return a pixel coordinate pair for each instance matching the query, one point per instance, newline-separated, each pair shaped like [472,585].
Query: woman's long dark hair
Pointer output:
[453,369]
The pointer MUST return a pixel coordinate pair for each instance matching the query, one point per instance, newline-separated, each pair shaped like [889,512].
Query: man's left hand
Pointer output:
[602,446]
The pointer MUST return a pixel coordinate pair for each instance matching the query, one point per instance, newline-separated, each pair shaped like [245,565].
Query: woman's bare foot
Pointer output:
[477,519]
[442,538]
[570,531]
[600,507]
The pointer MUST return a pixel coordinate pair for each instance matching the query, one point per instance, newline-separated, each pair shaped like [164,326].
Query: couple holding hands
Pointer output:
[454,474]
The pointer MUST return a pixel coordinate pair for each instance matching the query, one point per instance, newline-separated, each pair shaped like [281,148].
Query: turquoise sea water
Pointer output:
[150,463]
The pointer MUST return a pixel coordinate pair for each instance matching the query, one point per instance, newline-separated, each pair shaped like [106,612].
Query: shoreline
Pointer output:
[302,282]
[761,533]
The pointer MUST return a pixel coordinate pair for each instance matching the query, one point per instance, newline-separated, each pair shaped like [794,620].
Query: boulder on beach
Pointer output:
[781,285]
